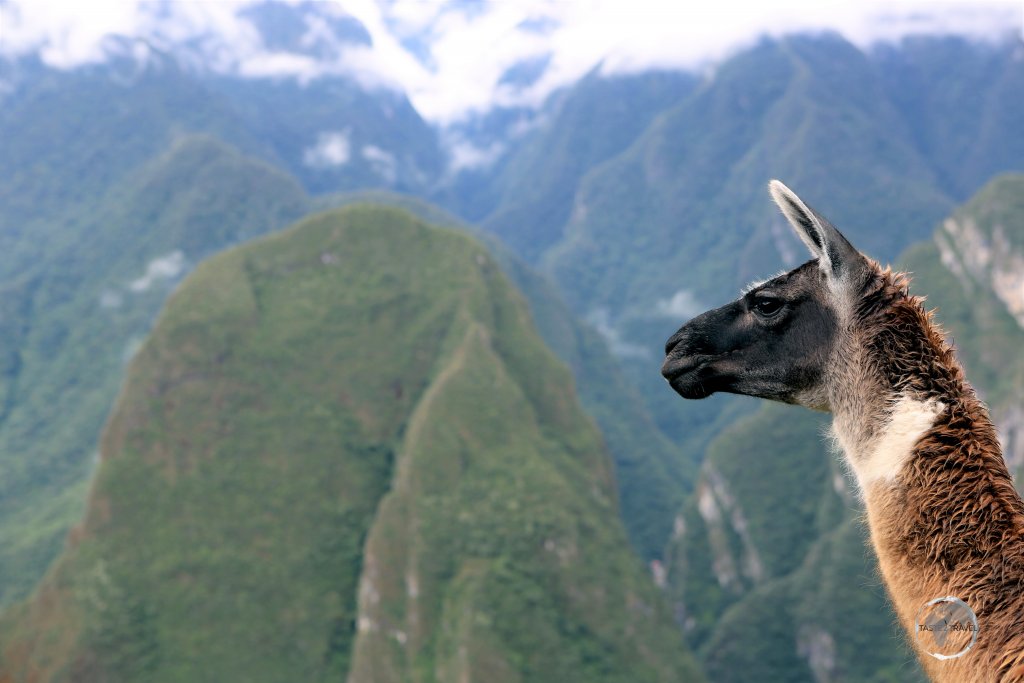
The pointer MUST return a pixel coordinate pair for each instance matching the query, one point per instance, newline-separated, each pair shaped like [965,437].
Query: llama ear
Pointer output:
[834,253]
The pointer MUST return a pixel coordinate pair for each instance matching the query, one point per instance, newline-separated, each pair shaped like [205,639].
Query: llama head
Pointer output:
[777,340]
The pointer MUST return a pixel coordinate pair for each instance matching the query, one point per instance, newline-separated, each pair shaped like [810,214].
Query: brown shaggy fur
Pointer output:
[951,524]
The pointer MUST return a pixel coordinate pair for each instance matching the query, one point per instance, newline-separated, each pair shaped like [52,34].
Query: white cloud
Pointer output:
[471,51]
[470,46]
[681,306]
[276,65]
[383,163]
[463,155]
[332,149]
[65,33]
[165,267]
[388,59]
[602,322]
[110,299]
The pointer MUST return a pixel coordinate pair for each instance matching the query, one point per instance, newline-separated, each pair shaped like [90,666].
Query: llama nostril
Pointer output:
[673,342]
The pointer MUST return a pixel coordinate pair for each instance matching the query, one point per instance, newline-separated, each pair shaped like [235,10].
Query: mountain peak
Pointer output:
[347,444]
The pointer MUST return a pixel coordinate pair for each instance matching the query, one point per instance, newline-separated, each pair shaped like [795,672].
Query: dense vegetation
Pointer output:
[74,315]
[106,178]
[285,492]
[652,473]
[640,199]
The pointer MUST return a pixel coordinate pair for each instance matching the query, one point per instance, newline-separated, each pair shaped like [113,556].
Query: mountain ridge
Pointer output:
[146,574]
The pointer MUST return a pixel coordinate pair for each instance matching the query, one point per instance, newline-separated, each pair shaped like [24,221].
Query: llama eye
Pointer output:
[768,307]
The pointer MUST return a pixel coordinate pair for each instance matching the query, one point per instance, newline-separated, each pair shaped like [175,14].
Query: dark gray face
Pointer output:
[771,343]
[776,341]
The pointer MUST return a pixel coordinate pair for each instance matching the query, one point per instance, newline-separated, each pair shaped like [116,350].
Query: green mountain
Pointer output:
[111,197]
[653,473]
[769,568]
[582,127]
[641,199]
[108,198]
[961,100]
[345,451]
[651,224]
[614,198]
[73,317]
[691,189]
[69,137]
[333,134]
[79,311]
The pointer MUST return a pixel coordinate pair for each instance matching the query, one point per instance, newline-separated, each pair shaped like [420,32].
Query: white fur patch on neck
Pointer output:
[883,457]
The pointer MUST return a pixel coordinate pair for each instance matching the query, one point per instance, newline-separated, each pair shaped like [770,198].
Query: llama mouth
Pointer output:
[688,376]
[674,368]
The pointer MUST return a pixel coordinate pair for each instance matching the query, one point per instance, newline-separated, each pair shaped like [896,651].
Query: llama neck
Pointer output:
[950,523]
[943,514]
[894,377]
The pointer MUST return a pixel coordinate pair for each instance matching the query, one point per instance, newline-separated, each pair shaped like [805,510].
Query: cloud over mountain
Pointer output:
[460,57]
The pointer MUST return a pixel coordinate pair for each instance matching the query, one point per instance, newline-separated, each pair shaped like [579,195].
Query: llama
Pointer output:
[840,334]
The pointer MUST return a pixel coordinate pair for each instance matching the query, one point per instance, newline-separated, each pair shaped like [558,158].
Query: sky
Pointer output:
[450,57]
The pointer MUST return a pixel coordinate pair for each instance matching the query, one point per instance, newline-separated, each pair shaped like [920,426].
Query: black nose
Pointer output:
[668,368]
[674,340]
